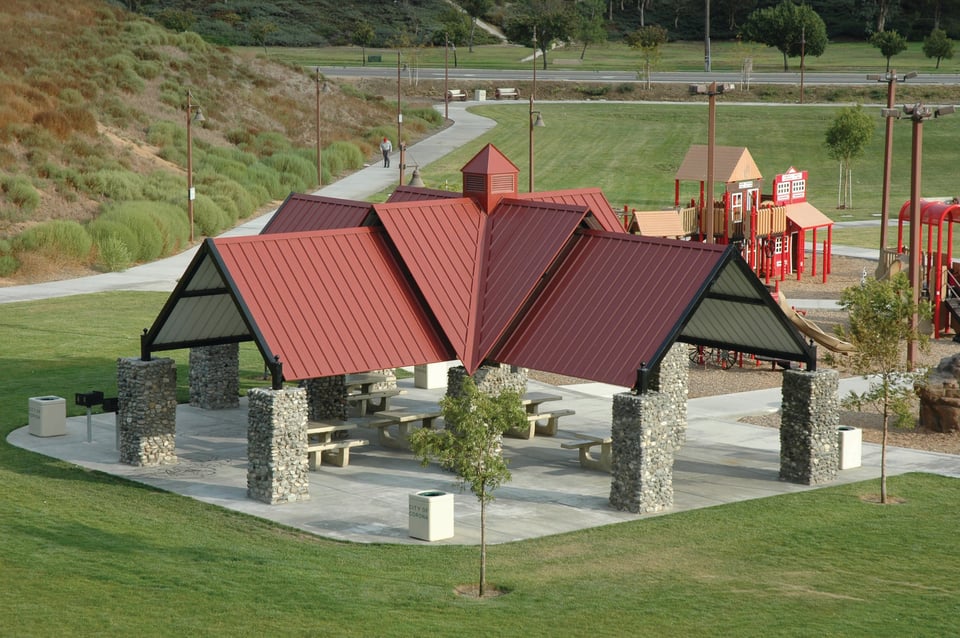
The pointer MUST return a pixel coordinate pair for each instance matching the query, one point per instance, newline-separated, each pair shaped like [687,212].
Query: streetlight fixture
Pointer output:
[531,121]
[891,79]
[712,91]
[194,114]
[917,113]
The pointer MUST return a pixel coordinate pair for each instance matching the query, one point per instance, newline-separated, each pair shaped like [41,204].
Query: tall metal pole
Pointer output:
[711,148]
[319,163]
[446,77]
[190,192]
[399,119]
[706,39]
[533,90]
[914,271]
[803,55]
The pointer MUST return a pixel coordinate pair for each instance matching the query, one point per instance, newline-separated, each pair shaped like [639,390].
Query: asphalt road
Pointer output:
[688,77]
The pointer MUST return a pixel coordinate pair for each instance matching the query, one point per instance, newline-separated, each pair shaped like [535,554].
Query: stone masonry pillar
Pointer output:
[277,445]
[326,398]
[147,410]
[808,427]
[643,432]
[489,379]
[671,379]
[215,376]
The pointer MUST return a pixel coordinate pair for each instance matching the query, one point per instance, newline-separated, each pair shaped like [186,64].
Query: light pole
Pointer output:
[399,120]
[891,79]
[712,91]
[446,77]
[917,114]
[803,55]
[194,114]
[706,39]
[531,121]
[319,163]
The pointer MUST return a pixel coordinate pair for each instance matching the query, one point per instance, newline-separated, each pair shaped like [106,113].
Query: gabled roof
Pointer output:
[490,161]
[417,193]
[325,303]
[618,302]
[301,212]
[657,223]
[592,198]
[805,215]
[730,164]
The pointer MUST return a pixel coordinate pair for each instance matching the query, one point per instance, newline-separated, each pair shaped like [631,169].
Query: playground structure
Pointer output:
[939,276]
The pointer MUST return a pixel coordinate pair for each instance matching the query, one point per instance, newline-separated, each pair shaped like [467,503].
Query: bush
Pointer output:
[60,238]
[427,114]
[21,192]
[118,185]
[269,143]
[221,187]
[113,254]
[163,186]
[208,217]
[295,171]
[8,265]
[158,229]
[342,156]
[166,133]
[103,229]
[268,179]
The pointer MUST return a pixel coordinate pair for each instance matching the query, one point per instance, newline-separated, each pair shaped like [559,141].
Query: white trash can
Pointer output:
[431,515]
[850,441]
[480,95]
[48,416]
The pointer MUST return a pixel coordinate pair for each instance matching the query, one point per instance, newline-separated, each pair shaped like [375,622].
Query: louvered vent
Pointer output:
[503,183]
[473,183]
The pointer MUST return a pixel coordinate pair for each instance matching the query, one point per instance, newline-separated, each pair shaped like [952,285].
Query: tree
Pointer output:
[791,29]
[554,20]
[590,24]
[362,37]
[176,19]
[476,9]
[938,45]
[879,315]
[471,446]
[890,44]
[847,139]
[881,11]
[260,29]
[648,40]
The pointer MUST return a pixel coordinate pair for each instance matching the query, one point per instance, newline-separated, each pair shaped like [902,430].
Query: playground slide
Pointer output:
[813,331]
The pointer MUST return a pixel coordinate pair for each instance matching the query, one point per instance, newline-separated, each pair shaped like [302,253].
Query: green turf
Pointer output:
[88,554]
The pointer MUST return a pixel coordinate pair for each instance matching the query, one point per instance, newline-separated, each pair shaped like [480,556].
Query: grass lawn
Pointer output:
[726,56]
[632,151]
[89,554]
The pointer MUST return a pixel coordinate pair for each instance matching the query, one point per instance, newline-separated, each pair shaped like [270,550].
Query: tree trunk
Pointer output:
[363,56]
[483,546]
[543,50]
[473,27]
[840,188]
[583,51]
[883,458]
[785,62]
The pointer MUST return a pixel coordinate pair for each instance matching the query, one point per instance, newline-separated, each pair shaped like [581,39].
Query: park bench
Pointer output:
[325,443]
[533,427]
[584,443]
[372,401]
[507,93]
[456,94]
[403,421]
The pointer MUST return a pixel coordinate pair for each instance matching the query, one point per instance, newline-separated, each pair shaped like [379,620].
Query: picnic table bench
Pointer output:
[456,94]
[325,441]
[504,93]
[372,401]
[531,402]
[403,421]
[584,443]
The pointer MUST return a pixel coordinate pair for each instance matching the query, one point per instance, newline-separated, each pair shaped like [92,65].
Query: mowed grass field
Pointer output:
[87,554]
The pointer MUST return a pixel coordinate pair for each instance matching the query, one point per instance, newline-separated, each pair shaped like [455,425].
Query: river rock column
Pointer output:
[215,376]
[672,380]
[326,398]
[809,452]
[277,445]
[642,471]
[489,379]
[147,410]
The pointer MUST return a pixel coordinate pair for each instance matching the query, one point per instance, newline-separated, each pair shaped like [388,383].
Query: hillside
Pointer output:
[93,124]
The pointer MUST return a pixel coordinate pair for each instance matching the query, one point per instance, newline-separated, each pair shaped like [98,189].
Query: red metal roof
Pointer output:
[313,212]
[439,242]
[592,198]
[490,161]
[611,306]
[419,193]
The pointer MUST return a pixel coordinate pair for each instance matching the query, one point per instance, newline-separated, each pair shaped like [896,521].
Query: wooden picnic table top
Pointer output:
[324,427]
[361,378]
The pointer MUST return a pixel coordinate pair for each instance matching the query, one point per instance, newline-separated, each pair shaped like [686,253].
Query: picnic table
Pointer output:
[584,444]
[532,402]
[404,422]
[362,396]
[326,440]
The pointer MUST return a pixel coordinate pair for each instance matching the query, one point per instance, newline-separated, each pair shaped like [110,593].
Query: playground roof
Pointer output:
[657,223]
[529,283]
[805,215]
[730,164]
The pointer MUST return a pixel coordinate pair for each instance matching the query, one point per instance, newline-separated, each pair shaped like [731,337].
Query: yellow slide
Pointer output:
[813,331]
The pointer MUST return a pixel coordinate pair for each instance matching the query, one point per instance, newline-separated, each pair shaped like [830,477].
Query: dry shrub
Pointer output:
[80,120]
[54,122]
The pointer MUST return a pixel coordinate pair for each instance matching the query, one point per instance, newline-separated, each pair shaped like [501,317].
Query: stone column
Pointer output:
[277,445]
[671,379]
[808,426]
[147,410]
[215,376]
[643,430]
[390,383]
[326,398]
[489,379]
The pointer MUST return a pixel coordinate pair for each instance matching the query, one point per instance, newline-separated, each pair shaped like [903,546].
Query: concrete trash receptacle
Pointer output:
[850,442]
[480,95]
[48,416]
[431,515]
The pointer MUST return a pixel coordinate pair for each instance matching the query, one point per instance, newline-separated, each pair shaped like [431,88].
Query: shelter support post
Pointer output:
[147,411]
[808,427]
[277,445]
[327,398]
[215,376]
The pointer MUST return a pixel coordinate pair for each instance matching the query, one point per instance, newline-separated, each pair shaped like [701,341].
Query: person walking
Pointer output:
[386,147]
